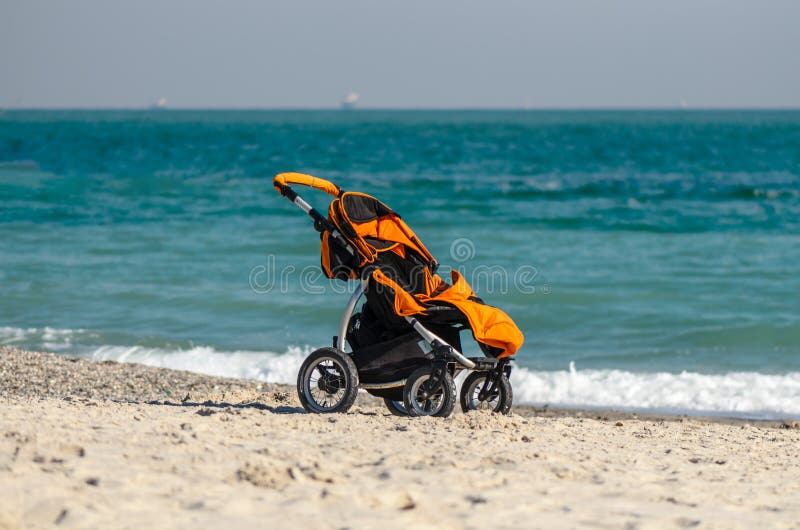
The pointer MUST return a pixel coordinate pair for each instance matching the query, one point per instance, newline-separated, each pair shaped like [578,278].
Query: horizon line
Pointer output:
[407,109]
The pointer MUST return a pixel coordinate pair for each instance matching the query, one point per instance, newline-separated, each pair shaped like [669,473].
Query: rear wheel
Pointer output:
[396,407]
[477,394]
[423,399]
[327,382]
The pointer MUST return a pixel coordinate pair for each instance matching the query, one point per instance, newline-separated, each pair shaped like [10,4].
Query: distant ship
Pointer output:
[350,101]
[159,104]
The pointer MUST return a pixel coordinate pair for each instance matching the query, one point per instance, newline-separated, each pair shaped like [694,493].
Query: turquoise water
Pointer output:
[657,251]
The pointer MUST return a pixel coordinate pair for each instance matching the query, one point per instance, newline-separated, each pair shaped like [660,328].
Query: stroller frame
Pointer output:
[427,335]
[487,382]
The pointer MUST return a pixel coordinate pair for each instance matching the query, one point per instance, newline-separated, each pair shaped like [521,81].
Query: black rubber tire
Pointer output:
[505,397]
[344,364]
[447,386]
[398,408]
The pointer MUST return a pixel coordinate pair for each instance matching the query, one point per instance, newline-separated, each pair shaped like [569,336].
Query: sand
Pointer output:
[108,445]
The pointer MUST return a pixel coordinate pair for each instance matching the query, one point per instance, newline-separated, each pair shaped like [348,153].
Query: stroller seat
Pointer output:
[490,326]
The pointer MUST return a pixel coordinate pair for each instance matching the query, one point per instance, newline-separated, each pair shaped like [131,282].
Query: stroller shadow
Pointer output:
[207,408]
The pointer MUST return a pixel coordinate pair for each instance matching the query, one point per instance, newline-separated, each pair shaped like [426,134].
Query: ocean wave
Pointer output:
[736,394]
[733,394]
[19,165]
[47,338]
[656,192]
[265,366]
[277,367]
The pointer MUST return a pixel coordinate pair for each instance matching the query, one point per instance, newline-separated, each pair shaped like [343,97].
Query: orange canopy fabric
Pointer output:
[389,227]
[490,325]
[405,304]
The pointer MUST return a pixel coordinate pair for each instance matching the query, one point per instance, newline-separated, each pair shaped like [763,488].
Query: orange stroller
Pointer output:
[404,341]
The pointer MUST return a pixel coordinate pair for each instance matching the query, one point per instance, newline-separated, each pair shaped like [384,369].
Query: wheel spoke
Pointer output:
[473,391]
[430,404]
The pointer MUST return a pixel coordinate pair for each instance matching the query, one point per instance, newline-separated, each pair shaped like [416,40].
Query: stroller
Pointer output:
[404,341]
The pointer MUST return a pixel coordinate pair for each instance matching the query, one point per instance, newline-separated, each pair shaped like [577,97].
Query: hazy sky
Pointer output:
[433,53]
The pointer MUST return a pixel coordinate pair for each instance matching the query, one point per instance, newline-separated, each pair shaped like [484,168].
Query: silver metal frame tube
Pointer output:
[348,312]
[380,386]
[299,201]
[303,205]
[430,337]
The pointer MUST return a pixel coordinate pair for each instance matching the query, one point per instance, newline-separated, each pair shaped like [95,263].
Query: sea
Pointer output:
[651,258]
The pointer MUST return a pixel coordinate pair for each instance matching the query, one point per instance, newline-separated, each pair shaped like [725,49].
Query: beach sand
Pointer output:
[109,445]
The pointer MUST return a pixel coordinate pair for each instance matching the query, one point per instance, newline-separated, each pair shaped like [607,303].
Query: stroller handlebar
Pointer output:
[283,182]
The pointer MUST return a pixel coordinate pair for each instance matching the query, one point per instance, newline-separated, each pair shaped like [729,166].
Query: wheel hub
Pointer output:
[329,383]
[427,398]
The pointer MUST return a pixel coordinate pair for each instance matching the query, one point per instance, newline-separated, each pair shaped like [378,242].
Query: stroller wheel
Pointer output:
[473,396]
[420,400]
[398,408]
[327,382]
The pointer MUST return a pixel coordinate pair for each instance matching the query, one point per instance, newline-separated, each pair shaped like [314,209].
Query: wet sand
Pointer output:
[109,445]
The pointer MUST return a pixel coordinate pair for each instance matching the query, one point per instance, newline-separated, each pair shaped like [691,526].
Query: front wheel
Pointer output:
[477,393]
[396,407]
[423,399]
[327,381]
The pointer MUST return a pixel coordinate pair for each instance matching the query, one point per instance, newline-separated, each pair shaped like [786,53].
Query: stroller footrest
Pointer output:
[484,363]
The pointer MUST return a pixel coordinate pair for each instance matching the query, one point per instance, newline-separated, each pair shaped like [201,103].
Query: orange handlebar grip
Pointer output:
[285,180]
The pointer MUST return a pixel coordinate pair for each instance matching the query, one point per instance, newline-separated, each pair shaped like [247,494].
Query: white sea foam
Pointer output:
[745,394]
[49,338]
[260,366]
[742,394]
